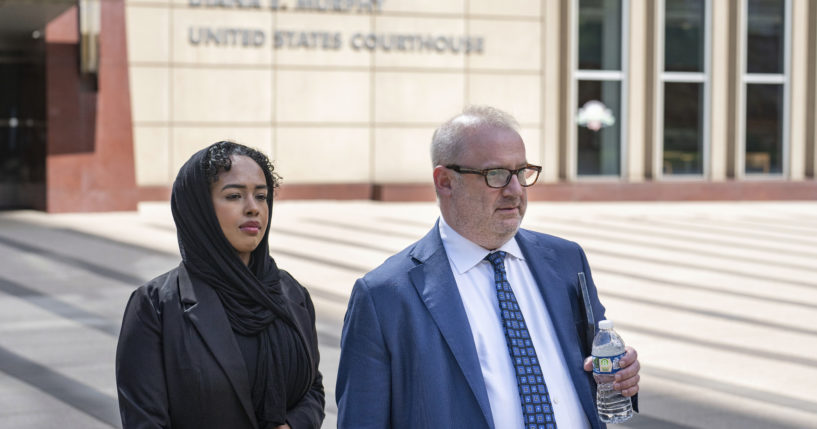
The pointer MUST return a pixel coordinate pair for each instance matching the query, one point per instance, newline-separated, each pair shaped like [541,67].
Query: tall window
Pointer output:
[599,87]
[765,86]
[685,87]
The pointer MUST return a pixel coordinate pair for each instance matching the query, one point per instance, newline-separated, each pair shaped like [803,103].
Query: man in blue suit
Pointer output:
[425,344]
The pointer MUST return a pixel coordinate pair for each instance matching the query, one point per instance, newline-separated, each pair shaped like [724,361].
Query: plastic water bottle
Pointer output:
[608,349]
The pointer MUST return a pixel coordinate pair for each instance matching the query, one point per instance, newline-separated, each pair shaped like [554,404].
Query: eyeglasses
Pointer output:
[500,177]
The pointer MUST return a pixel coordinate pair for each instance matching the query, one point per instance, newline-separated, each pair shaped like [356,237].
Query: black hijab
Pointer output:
[251,295]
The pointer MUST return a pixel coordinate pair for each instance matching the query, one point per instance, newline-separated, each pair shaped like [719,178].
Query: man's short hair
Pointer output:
[448,138]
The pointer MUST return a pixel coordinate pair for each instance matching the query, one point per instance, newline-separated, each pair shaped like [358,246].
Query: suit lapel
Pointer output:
[203,309]
[551,283]
[541,261]
[437,288]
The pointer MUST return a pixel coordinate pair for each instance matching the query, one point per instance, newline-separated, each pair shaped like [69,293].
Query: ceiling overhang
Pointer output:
[21,18]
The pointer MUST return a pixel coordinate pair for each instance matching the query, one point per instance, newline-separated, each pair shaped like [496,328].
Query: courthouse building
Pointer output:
[101,101]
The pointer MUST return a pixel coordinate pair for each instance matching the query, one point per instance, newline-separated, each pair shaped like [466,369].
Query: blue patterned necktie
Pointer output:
[533,393]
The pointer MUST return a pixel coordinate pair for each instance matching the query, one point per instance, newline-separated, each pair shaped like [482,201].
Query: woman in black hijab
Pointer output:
[226,339]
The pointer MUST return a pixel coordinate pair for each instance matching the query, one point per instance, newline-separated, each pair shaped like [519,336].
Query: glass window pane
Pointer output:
[764,51]
[600,35]
[22,121]
[599,139]
[764,128]
[684,35]
[683,128]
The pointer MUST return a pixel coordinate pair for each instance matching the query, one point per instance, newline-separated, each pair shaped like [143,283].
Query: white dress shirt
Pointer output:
[475,281]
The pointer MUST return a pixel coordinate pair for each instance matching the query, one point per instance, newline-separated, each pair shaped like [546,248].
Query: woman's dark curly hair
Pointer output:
[218,158]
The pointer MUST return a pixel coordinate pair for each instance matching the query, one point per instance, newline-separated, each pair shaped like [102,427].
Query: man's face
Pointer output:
[488,216]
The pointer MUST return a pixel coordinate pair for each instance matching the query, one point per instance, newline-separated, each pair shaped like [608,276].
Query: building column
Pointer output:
[565,94]
[798,84]
[636,92]
[811,93]
[554,35]
[719,90]
[89,160]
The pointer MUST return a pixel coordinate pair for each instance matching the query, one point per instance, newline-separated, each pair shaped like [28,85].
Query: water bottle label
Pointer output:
[606,364]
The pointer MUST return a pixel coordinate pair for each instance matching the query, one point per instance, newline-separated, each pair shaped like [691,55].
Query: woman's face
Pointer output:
[240,200]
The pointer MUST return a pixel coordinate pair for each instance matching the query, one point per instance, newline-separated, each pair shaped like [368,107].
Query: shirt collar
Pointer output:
[465,254]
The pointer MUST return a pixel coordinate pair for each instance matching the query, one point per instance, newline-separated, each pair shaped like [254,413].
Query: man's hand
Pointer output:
[627,377]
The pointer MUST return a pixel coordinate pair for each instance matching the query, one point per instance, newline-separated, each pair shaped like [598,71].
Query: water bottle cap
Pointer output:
[605,324]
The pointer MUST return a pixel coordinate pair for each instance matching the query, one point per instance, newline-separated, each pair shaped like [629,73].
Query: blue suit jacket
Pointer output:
[408,358]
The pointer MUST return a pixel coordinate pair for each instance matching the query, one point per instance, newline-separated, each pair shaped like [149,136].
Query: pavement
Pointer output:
[719,299]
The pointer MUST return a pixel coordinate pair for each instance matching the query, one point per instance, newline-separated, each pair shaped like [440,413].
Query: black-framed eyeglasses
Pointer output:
[500,177]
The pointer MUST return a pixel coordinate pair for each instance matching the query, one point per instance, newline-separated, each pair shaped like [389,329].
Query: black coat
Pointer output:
[178,364]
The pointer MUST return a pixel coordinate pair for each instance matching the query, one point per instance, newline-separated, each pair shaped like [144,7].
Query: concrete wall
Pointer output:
[343,121]
[325,110]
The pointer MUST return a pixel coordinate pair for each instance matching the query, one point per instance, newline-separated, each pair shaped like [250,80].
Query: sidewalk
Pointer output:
[720,299]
